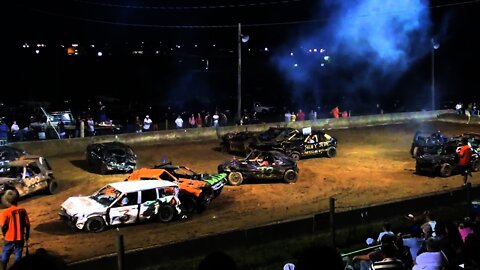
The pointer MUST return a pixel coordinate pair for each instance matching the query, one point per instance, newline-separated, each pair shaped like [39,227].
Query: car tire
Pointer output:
[331,152]
[290,176]
[7,194]
[415,152]
[295,156]
[166,213]
[188,204]
[235,178]
[476,166]
[52,187]
[446,170]
[95,224]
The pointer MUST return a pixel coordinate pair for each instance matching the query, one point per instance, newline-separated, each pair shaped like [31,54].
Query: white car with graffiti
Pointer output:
[122,203]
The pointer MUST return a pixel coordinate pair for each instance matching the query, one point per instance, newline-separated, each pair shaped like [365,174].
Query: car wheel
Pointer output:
[295,156]
[7,197]
[52,187]
[290,176]
[331,152]
[415,152]
[166,213]
[95,224]
[188,204]
[475,166]
[235,178]
[446,170]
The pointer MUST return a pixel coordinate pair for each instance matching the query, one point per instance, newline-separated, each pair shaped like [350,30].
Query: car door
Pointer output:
[125,209]
[148,204]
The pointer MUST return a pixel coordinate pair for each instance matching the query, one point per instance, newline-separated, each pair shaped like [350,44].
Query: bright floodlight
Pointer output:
[266,49]
[295,65]
[326,57]
[291,53]
[245,38]
[37,51]
[99,53]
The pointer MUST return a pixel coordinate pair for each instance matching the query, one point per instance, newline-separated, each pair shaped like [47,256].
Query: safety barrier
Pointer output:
[78,145]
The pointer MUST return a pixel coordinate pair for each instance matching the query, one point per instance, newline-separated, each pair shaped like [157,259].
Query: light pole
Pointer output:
[435,45]
[241,38]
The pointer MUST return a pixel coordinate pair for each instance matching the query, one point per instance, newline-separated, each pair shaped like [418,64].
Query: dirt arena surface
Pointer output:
[373,165]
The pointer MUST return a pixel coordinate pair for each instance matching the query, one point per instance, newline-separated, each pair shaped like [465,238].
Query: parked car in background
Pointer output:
[111,157]
[122,203]
[260,165]
[27,175]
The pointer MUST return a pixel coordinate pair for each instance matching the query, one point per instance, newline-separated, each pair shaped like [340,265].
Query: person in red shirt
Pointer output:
[335,112]
[464,156]
[15,228]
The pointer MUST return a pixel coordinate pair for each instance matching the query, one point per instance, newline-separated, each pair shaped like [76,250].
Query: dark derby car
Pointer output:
[444,162]
[240,142]
[298,145]
[7,154]
[111,157]
[426,142]
[260,165]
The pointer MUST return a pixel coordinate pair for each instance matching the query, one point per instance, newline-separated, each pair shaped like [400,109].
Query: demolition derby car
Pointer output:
[425,142]
[444,162]
[111,157]
[7,154]
[298,144]
[260,165]
[122,203]
[241,142]
[216,181]
[27,175]
[194,195]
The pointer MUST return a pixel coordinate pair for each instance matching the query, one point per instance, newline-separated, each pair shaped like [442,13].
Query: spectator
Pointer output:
[91,127]
[465,228]
[15,226]
[386,229]
[300,115]
[364,262]
[191,121]
[4,130]
[293,117]
[433,258]
[458,108]
[335,112]
[61,129]
[16,134]
[390,260]
[199,120]
[138,124]
[288,117]
[430,219]
[414,242]
[78,127]
[215,118]
[344,114]
[179,122]
[147,122]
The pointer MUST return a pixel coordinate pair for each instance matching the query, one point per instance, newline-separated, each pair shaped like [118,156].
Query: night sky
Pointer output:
[377,52]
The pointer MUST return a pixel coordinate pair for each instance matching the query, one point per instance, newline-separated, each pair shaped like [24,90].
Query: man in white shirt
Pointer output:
[147,122]
[179,122]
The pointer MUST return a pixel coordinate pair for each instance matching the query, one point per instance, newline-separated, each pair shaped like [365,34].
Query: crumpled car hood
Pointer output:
[77,205]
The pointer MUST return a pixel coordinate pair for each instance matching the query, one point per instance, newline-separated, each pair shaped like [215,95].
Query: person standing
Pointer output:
[191,121]
[215,118]
[199,120]
[179,122]
[4,130]
[16,134]
[91,126]
[464,156]
[147,122]
[15,226]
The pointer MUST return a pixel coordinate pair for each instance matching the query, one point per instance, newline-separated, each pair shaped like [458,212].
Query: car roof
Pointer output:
[25,160]
[130,186]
